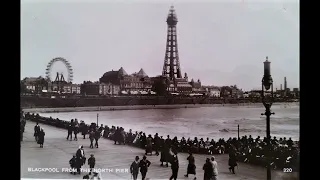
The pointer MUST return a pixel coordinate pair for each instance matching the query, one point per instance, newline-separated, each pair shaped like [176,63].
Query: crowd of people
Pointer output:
[284,152]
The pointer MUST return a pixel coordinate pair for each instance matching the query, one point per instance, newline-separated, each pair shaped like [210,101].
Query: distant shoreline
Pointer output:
[133,107]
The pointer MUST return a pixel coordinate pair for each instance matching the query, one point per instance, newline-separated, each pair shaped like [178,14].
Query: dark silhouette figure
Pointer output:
[97,136]
[191,165]
[91,137]
[91,163]
[80,158]
[174,166]
[208,170]
[70,129]
[83,128]
[36,131]
[149,145]
[73,164]
[144,164]
[86,176]
[232,160]
[116,135]
[156,140]
[165,155]
[41,137]
[134,168]
[76,131]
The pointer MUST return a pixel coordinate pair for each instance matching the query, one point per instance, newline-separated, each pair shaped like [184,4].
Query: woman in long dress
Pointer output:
[149,145]
[191,166]
[41,137]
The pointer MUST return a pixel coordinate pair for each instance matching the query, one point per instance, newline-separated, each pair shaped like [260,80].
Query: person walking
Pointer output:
[191,166]
[41,137]
[232,160]
[134,168]
[76,131]
[73,164]
[91,163]
[208,170]
[156,140]
[97,136]
[91,137]
[81,159]
[149,145]
[36,131]
[215,168]
[70,129]
[144,164]
[174,166]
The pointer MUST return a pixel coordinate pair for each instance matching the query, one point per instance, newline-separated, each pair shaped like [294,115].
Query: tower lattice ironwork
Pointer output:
[171,67]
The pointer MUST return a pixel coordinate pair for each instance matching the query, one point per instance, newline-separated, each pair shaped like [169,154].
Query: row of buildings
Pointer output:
[117,83]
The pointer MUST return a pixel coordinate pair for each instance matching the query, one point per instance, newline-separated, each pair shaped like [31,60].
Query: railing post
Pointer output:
[238,132]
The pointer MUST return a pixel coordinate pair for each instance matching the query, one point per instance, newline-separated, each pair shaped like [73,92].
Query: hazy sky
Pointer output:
[220,42]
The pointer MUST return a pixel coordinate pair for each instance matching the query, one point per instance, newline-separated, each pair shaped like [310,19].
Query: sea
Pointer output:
[213,122]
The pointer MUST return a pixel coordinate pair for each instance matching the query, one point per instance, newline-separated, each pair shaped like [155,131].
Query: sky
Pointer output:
[219,42]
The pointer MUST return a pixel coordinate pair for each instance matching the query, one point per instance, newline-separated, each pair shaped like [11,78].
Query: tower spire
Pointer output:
[171,67]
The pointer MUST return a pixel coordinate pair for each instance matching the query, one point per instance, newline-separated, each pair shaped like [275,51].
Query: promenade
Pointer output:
[57,152]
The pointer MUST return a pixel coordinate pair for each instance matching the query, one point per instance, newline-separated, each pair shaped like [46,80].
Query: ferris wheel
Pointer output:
[65,62]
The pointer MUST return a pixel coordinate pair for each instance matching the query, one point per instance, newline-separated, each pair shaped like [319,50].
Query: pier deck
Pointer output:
[57,151]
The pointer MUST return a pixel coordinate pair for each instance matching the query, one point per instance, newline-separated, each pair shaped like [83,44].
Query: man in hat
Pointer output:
[79,158]
[156,140]
[36,131]
[97,136]
[91,137]
[215,168]
[83,129]
[144,164]
[91,162]
[134,168]
[174,166]
[165,155]
[70,129]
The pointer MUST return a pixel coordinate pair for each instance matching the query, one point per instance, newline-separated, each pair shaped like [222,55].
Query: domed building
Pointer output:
[136,83]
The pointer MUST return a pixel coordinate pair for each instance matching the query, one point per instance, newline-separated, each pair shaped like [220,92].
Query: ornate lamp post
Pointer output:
[267,100]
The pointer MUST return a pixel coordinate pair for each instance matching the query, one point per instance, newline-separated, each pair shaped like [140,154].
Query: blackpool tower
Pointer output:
[171,67]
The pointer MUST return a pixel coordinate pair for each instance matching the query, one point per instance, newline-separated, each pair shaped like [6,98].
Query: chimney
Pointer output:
[285,83]
[280,87]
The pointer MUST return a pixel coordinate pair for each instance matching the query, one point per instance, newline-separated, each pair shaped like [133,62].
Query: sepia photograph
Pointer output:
[150,89]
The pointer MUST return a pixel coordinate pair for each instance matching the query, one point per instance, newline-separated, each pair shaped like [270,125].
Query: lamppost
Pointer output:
[97,119]
[267,100]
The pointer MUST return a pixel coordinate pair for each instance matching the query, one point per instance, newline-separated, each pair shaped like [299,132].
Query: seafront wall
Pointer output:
[133,107]
[44,102]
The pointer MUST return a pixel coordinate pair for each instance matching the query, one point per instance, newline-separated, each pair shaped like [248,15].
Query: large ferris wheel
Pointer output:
[65,62]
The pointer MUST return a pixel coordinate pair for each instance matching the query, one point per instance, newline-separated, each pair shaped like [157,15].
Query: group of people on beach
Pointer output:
[284,153]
